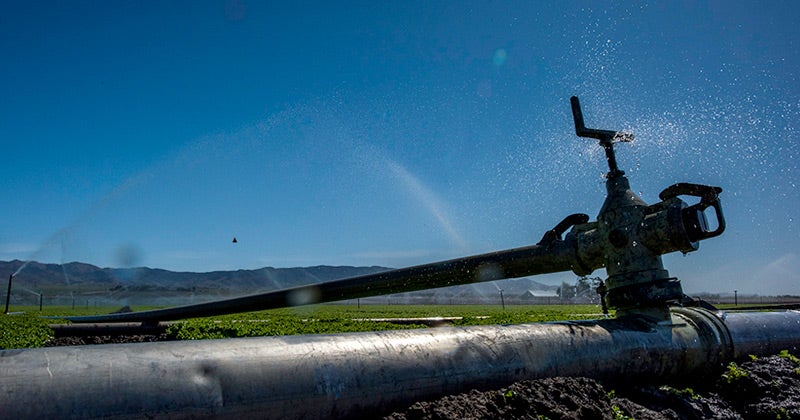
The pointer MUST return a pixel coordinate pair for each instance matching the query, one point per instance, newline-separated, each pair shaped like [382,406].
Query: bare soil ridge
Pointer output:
[765,388]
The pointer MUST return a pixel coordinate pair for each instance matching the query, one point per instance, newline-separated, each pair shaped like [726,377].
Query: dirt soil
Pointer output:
[766,388]
[763,388]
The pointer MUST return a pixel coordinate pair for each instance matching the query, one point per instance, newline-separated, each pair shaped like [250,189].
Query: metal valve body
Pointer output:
[629,236]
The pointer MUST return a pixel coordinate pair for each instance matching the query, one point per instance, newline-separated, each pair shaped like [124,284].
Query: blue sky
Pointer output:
[389,133]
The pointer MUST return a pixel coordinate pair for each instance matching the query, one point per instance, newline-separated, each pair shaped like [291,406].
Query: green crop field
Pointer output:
[20,331]
[29,330]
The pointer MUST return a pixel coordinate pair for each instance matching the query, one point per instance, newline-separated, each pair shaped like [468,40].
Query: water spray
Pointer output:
[658,333]
[627,240]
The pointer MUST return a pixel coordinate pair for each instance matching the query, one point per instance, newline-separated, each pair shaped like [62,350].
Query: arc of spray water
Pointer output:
[429,200]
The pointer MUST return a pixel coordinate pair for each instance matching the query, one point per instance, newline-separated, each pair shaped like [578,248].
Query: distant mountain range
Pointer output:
[266,278]
[162,287]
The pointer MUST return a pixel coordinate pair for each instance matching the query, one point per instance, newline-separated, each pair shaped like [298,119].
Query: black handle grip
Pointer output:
[555,233]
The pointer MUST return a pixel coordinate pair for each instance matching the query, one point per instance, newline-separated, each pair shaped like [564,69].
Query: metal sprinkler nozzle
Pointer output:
[606,137]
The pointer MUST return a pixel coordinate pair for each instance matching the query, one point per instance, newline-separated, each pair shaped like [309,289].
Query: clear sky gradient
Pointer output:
[389,133]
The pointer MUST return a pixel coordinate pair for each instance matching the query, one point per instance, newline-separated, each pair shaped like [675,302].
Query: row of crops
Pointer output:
[28,329]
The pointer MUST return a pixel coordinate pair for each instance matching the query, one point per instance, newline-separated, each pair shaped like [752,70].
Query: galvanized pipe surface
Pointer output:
[763,332]
[350,375]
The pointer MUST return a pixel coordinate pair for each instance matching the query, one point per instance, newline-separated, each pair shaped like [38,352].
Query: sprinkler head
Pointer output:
[630,236]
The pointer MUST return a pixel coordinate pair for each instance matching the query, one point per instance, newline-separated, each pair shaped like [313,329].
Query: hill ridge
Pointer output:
[62,282]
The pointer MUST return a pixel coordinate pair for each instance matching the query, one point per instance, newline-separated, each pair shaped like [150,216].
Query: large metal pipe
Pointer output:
[349,375]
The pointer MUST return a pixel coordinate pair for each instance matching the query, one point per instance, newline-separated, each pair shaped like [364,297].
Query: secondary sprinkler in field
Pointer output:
[8,294]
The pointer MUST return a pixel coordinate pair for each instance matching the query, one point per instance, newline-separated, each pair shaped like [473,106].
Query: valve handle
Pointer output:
[694,218]
[555,233]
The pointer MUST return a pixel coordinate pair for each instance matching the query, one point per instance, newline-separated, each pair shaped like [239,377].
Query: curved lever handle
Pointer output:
[705,192]
[555,233]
